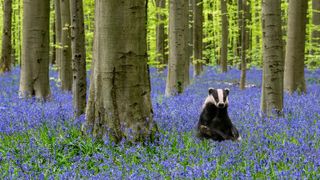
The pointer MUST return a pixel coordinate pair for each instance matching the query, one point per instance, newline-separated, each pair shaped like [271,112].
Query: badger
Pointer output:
[214,122]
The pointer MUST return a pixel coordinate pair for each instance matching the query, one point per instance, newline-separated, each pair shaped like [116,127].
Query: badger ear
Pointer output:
[227,91]
[211,90]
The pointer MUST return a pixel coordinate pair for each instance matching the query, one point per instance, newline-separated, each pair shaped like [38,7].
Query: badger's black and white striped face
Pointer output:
[219,97]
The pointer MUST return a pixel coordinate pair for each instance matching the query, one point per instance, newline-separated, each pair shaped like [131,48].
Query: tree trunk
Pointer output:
[284,19]
[78,57]
[294,62]
[197,36]
[66,59]
[316,28]
[225,33]
[5,61]
[189,42]
[240,12]
[58,29]
[53,53]
[52,59]
[19,39]
[160,39]
[178,45]
[34,78]
[244,45]
[190,30]
[14,60]
[119,102]
[273,62]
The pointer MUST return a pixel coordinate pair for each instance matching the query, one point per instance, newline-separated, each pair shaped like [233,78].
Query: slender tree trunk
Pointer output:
[248,43]
[160,39]
[190,30]
[197,36]
[5,61]
[13,59]
[78,57]
[240,14]
[225,34]
[273,62]
[53,53]
[208,32]
[34,78]
[294,63]
[284,19]
[316,28]
[119,102]
[244,34]
[178,45]
[58,28]
[19,34]
[189,42]
[66,59]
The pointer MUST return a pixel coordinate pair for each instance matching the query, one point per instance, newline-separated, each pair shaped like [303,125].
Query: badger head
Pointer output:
[219,97]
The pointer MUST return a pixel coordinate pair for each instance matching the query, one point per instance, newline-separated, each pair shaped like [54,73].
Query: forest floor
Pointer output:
[42,140]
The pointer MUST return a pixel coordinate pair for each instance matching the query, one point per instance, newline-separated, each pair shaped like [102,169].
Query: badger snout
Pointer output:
[221,105]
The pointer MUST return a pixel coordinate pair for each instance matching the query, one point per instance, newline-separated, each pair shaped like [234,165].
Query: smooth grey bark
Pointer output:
[273,61]
[284,19]
[34,78]
[190,30]
[197,36]
[160,34]
[79,86]
[295,55]
[66,58]
[58,29]
[244,43]
[316,28]
[189,42]
[53,49]
[119,102]
[6,49]
[178,71]
[225,34]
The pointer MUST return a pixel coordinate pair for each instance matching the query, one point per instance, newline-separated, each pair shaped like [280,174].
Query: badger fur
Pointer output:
[214,122]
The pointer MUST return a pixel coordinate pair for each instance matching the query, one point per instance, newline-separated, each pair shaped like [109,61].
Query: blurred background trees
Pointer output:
[158,18]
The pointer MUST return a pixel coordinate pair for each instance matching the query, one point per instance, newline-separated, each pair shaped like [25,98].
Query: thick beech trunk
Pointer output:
[79,86]
[5,61]
[294,62]
[119,102]
[273,62]
[34,78]
[178,71]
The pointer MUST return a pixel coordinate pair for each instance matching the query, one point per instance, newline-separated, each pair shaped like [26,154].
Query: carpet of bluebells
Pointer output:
[43,141]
